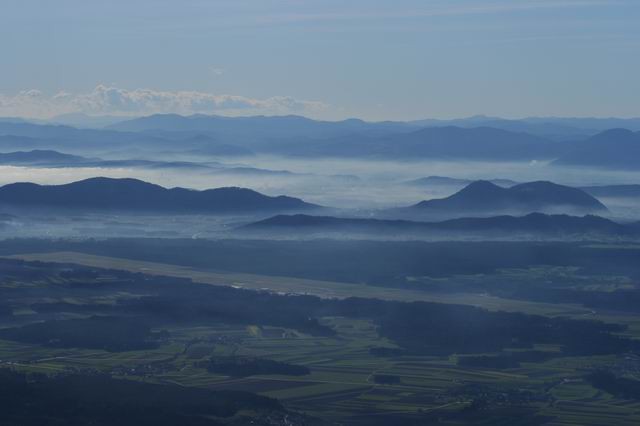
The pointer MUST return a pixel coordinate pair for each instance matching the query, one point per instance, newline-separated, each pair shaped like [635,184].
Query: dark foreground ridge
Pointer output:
[135,195]
[485,198]
[534,224]
[102,400]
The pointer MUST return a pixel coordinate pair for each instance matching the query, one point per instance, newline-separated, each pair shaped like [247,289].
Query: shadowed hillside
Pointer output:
[612,149]
[535,225]
[136,195]
[484,198]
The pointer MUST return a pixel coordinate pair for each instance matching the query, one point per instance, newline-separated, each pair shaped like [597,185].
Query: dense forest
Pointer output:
[242,366]
[39,400]
[417,327]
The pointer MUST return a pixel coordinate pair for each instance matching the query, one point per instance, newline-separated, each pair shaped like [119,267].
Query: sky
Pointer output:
[326,59]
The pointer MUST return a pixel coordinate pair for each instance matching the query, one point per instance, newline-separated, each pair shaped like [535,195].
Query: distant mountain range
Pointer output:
[12,142]
[39,157]
[567,141]
[482,198]
[555,128]
[480,143]
[62,133]
[476,138]
[84,121]
[612,149]
[25,135]
[561,128]
[484,143]
[256,129]
[104,194]
[207,145]
[535,225]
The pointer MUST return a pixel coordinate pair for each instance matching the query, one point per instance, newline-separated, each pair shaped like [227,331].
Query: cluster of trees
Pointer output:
[618,300]
[382,351]
[114,334]
[386,379]
[37,400]
[5,310]
[200,303]
[248,366]
[618,386]
[441,329]
[504,360]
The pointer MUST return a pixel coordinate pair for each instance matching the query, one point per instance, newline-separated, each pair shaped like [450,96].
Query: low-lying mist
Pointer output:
[344,184]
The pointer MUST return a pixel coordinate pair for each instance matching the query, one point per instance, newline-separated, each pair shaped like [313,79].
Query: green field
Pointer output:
[341,381]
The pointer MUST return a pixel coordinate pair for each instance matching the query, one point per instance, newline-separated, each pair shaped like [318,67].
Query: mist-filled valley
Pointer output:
[286,271]
[319,213]
[345,187]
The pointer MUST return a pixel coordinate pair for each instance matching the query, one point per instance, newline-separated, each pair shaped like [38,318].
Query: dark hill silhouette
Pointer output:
[534,224]
[613,149]
[483,198]
[135,195]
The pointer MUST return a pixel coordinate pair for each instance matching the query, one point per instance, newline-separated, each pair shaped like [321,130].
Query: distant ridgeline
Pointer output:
[606,143]
[534,225]
[613,149]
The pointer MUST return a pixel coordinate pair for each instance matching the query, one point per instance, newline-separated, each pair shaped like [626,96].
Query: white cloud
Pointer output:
[113,100]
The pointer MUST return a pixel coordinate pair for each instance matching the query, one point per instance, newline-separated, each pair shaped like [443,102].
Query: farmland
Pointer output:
[348,382]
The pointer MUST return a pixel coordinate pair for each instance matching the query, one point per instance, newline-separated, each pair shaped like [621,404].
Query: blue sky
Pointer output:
[395,59]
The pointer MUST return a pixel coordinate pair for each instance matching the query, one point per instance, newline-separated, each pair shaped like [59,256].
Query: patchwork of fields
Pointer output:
[344,380]
[341,384]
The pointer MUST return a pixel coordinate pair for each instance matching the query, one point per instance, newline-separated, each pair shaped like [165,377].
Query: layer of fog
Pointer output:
[117,225]
[343,184]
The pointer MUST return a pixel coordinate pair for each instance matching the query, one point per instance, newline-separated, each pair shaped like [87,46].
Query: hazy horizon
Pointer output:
[117,117]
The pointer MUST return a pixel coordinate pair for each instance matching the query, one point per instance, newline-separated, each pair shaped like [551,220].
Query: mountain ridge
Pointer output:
[129,194]
[442,143]
[39,156]
[485,198]
[500,226]
[611,149]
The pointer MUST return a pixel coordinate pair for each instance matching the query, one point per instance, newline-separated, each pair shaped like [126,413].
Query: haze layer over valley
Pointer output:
[153,152]
[320,213]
